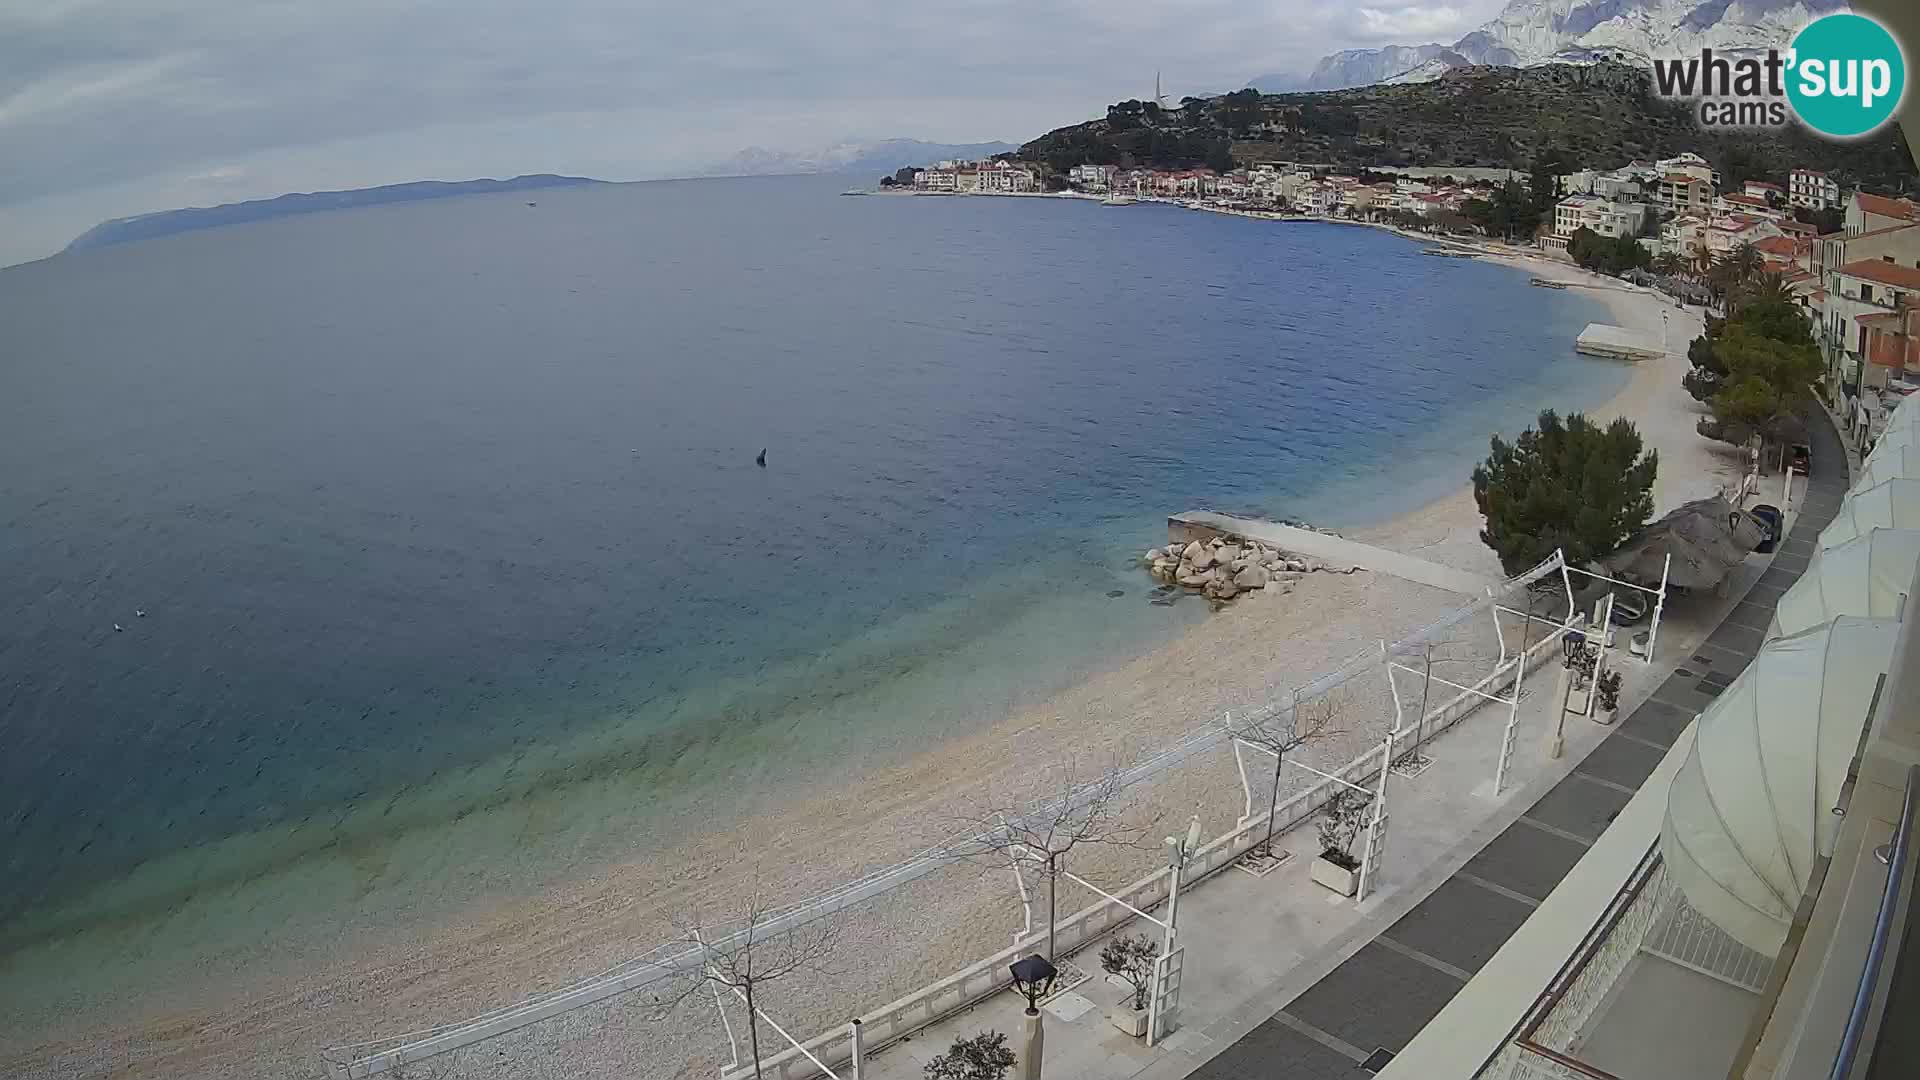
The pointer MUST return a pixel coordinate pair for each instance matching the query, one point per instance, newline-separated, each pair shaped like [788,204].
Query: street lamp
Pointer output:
[1033,977]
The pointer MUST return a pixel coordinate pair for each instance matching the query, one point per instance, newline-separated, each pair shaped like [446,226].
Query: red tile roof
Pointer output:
[1738,199]
[1763,184]
[1777,245]
[1886,273]
[1792,226]
[1882,206]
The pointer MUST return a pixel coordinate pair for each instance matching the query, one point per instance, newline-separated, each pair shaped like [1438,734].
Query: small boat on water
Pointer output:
[1547,283]
[1117,200]
[857,191]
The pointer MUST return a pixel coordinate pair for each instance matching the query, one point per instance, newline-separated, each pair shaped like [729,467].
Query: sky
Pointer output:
[117,107]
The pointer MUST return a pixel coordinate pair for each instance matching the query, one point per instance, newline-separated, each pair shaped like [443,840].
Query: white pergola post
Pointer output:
[1377,826]
[1659,605]
[782,1032]
[1393,687]
[1513,723]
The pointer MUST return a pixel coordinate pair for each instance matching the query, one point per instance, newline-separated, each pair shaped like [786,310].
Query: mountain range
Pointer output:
[168,222]
[874,157]
[1531,32]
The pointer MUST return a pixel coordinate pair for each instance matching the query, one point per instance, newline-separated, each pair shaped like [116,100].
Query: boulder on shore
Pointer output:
[1251,577]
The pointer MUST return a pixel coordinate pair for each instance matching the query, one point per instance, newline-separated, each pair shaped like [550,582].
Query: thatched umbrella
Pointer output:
[1706,537]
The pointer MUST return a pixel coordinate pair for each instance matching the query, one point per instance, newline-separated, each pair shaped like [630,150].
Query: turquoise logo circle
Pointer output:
[1846,75]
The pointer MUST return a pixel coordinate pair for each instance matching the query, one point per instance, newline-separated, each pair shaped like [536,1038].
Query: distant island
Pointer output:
[168,222]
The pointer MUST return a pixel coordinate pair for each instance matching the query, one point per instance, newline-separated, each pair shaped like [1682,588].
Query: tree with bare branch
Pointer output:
[743,962]
[1279,733]
[1092,812]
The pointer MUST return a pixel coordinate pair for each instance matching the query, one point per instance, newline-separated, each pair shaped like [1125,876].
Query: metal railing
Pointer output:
[1865,993]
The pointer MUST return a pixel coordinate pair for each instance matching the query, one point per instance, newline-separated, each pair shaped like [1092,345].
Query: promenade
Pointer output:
[1285,979]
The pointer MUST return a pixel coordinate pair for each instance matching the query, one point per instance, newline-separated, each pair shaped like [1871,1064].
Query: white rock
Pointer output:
[1251,577]
[1192,551]
[1227,553]
[1204,559]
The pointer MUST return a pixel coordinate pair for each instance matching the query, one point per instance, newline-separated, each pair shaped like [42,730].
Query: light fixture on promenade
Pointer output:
[1033,977]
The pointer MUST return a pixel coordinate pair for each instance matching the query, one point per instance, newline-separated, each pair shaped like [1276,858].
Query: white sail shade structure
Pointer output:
[1869,575]
[1890,504]
[1898,463]
[1897,436]
[1751,808]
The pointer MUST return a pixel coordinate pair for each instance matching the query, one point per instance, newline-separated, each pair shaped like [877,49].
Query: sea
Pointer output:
[327,534]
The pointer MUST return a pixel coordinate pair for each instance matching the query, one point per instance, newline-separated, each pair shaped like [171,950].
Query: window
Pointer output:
[1866,292]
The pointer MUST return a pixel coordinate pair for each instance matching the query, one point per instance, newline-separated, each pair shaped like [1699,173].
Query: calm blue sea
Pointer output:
[435,509]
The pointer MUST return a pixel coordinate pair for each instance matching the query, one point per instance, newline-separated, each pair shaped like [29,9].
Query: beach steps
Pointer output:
[1205,524]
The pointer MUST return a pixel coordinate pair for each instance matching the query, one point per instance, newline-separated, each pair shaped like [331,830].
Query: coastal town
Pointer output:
[1850,259]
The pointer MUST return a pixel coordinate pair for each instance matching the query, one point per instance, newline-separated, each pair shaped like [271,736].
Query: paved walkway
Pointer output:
[1348,1024]
[1339,549]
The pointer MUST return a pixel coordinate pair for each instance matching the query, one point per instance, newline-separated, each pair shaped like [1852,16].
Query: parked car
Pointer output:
[1800,458]
[1771,520]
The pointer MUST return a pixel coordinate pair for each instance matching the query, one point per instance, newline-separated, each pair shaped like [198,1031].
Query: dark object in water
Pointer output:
[762,459]
[1117,593]
[1163,601]
[533,204]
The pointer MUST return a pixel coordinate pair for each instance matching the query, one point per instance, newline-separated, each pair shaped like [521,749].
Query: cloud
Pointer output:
[116,107]
[1415,24]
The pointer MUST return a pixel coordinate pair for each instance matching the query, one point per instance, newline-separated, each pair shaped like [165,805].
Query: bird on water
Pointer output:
[762,459]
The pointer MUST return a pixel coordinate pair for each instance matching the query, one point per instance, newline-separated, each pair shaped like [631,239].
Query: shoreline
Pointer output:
[824,832]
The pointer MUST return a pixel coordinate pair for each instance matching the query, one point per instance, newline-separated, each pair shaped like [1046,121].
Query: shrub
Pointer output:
[981,1057]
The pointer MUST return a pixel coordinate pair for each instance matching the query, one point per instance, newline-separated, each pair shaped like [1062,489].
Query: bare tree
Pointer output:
[743,963]
[1090,813]
[1279,733]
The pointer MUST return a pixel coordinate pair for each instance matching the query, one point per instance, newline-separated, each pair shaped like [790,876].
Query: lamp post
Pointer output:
[1033,977]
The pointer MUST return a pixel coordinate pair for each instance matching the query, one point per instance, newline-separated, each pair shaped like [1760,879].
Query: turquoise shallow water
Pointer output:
[449,512]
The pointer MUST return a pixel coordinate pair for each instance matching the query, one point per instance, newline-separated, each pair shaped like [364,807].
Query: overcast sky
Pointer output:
[116,107]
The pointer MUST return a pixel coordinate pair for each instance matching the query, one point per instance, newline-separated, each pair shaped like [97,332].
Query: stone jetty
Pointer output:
[1223,568]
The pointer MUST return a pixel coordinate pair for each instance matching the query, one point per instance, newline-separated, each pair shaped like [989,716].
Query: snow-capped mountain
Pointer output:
[1530,32]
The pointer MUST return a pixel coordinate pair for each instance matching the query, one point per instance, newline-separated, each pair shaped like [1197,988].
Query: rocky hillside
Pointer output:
[1598,115]
[1529,32]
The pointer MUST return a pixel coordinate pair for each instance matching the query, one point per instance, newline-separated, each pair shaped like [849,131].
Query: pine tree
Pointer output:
[1569,485]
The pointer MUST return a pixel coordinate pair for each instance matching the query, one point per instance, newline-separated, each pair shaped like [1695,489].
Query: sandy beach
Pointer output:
[788,845]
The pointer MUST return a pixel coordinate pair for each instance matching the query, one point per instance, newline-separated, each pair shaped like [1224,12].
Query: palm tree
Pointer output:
[1668,264]
[1766,287]
[1745,261]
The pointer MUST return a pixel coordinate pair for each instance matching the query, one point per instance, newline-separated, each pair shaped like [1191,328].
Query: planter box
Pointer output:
[1127,1018]
[1340,880]
[1605,716]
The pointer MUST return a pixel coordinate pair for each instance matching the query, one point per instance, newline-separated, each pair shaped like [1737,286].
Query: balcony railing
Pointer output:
[1867,997]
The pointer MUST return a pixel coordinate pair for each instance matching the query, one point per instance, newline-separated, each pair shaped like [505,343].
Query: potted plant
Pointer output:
[1340,822]
[1608,689]
[985,1056]
[1131,958]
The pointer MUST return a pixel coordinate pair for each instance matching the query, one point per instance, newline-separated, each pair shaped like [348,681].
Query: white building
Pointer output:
[1095,177]
[1005,178]
[1812,188]
[1604,216]
[1683,193]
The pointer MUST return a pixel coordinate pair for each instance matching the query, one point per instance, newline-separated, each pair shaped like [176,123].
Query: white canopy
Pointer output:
[1897,436]
[1750,809]
[1890,504]
[1868,575]
[1894,463]
[1905,414]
